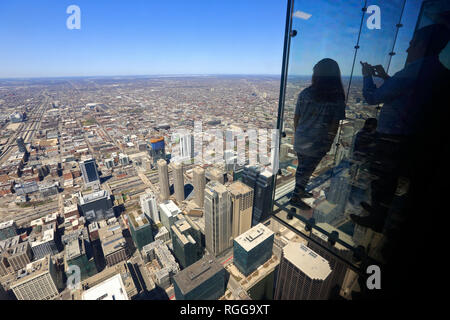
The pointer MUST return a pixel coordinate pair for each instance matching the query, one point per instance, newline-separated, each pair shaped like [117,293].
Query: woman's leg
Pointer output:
[305,168]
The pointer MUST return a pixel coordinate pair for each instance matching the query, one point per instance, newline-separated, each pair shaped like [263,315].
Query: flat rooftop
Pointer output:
[237,188]
[93,196]
[110,289]
[6,224]
[307,261]
[254,236]
[32,270]
[197,273]
[169,207]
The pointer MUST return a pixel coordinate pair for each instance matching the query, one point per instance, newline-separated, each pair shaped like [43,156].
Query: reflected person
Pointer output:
[319,109]
[406,98]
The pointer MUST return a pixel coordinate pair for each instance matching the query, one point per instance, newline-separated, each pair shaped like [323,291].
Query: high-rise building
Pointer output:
[252,248]
[169,212]
[113,244]
[261,181]
[89,171]
[21,145]
[149,206]
[44,244]
[78,252]
[242,206]
[203,280]
[112,288]
[96,206]
[19,256]
[177,169]
[186,147]
[8,229]
[158,149]
[159,251]
[218,236]
[199,186]
[302,275]
[186,242]
[215,174]
[37,281]
[338,266]
[163,180]
[140,229]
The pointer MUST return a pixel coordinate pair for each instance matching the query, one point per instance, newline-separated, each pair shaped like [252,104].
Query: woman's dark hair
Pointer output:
[326,82]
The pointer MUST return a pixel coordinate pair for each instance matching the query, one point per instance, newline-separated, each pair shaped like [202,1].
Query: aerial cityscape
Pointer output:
[178,151]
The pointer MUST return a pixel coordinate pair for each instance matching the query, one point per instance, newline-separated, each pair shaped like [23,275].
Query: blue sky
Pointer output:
[144,37]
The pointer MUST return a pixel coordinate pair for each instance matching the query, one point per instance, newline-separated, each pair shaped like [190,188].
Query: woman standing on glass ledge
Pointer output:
[319,109]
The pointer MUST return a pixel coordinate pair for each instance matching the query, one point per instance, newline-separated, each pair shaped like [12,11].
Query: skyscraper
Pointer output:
[158,150]
[21,145]
[242,206]
[149,206]
[186,147]
[302,275]
[37,281]
[203,280]
[177,169]
[199,186]
[169,213]
[218,236]
[163,180]
[89,170]
[261,181]
[140,229]
[252,248]
[186,243]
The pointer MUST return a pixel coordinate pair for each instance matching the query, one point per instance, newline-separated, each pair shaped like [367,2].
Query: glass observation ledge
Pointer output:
[373,31]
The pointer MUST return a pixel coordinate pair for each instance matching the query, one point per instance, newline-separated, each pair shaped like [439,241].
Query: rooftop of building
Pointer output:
[138,220]
[254,236]
[73,249]
[169,207]
[214,186]
[93,196]
[9,243]
[6,224]
[45,236]
[32,270]
[237,188]
[306,260]
[110,289]
[197,273]
[111,238]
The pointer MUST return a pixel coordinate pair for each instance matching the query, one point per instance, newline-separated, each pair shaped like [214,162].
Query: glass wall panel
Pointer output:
[337,176]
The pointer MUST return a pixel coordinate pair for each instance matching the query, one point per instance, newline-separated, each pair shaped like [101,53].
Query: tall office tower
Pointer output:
[252,248]
[242,206]
[169,212]
[215,174]
[114,245]
[186,243]
[158,149]
[19,255]
[302,275]
[261,181]
[89,171]
[21,145]
[338,266]
[186,147]
[140,229]
[149,206]
[177,169]
[44,244]
[8,229]
[199,186]
[218,236]
[77,252]
[203,280]
[37,281]
[96,206]
[163,180]
[339,189]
